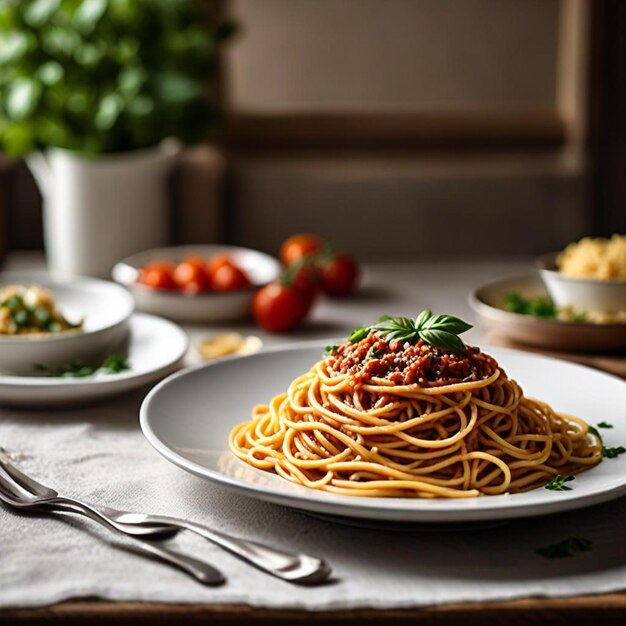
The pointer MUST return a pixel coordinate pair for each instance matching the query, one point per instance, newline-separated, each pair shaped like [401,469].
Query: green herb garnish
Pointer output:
[607,453]
[558,483]
[594,431]
[440,331]
[113,364]
[332,350]
[359,333]
[611,453]
[566,548]
[541,306]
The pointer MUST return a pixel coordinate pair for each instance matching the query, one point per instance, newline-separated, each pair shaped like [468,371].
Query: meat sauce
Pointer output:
[406,364]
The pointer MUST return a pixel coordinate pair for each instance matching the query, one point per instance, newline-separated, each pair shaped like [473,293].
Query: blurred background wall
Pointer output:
[403,128]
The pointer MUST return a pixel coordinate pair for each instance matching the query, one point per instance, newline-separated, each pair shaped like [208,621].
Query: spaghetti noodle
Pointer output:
[391,418]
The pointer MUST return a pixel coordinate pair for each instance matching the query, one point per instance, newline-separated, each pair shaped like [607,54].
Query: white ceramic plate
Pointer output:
[261,268]
[188,417]
[104,306]
[487,302]
[155,349]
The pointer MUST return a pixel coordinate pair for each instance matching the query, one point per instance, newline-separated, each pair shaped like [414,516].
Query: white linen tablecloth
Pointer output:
[99,454]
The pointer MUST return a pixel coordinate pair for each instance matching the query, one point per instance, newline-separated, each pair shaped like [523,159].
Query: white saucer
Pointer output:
[156,348]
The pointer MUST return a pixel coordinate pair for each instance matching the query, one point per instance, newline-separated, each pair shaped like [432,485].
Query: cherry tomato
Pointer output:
[339,275]
[191,277]
[299,246]
[228,278]
[158,275]
[278,307]
[216,262]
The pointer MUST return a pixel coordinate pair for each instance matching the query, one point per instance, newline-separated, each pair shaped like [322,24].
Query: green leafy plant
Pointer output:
[441,331]
[102,76]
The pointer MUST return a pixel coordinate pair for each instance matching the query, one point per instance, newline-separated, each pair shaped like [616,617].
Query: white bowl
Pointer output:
[585,294]
[105,308]
[213,306]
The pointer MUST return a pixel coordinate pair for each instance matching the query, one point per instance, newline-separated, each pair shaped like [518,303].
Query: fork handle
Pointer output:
[200,570]
[290,566]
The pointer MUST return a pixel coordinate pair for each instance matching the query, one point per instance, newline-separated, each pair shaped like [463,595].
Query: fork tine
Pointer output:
[20,478]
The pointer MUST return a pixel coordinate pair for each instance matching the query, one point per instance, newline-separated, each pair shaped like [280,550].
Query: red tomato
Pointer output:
[216,262]
[228,278]
[299,246]
[191,277]
[339,275]
[158,275]
[278,307]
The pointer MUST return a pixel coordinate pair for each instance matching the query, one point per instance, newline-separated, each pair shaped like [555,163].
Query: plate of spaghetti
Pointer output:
[401,421]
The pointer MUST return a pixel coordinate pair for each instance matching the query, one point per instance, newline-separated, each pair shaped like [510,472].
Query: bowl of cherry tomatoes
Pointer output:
[210,283]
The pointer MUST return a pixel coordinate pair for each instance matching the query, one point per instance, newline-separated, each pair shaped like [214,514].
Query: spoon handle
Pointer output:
[290,566]
[203,572]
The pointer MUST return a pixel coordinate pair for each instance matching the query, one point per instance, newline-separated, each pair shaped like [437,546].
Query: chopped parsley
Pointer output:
[558,483]
[331,350]
[113,364]
[611,453]
[607,453]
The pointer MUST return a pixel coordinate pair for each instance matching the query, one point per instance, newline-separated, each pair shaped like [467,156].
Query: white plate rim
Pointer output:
[393,509]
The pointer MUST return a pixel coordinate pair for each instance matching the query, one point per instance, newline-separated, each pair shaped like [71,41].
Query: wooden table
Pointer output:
[394,289]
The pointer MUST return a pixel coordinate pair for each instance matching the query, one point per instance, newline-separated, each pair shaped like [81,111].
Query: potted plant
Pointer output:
[98,96]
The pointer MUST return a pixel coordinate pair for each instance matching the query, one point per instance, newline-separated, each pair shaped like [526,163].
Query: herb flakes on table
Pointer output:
[565,548]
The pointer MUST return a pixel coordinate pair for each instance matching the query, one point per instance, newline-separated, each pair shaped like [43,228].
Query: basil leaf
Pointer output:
[448,323]
[443,339]
[358,334]
[420,320]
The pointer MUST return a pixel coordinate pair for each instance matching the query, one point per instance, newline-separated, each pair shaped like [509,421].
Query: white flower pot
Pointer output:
[98,211]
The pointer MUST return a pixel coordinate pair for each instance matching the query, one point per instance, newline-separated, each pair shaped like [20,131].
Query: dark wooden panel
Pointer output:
[410,131]
[607,125]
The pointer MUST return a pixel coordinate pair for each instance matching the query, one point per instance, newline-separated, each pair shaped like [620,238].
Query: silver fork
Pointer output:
[292,567]
[14,495]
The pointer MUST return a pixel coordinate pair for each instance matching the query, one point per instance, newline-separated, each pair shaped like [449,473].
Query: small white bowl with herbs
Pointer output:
[48,322]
